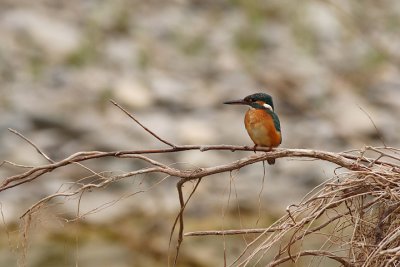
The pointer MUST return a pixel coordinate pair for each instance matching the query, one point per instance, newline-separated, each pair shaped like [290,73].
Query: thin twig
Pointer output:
[32,144]
[233,232]
[179,217]
[141,125]
[378,132]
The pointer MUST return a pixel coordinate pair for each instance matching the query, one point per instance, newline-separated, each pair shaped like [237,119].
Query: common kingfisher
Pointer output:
[261,122]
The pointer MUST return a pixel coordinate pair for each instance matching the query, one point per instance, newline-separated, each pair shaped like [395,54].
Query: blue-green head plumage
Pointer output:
[256,100]
[260,101]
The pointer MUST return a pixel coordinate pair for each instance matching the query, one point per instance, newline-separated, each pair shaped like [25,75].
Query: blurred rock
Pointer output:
[131,92]
[192,131]
[346,109]
[321,20]
[122,52]
[56,37]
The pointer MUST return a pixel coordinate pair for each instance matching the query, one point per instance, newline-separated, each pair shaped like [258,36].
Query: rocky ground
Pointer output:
[331,67]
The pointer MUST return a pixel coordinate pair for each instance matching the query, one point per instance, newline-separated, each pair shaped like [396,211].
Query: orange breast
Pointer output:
[261,129]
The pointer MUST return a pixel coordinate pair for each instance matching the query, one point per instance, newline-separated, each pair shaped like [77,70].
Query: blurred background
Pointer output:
[330,65]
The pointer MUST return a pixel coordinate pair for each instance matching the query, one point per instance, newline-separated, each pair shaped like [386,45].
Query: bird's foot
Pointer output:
[270,161]
[251,147]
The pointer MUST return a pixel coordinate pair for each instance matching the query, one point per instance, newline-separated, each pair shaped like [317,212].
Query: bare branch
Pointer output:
[141,125]
[232,232]
[373,123]
[183,204]
[337,159]
[88,187]
[32,144]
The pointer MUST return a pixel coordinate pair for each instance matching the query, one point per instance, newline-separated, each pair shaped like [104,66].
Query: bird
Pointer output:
[261,121]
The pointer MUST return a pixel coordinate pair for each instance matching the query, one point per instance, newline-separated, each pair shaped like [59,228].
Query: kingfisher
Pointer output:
[261,122]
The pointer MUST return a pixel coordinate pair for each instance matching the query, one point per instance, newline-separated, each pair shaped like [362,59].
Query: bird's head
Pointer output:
[258,101]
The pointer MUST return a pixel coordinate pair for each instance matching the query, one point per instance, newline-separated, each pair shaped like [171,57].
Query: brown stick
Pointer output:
[141,125]
[337,159]
[32,144]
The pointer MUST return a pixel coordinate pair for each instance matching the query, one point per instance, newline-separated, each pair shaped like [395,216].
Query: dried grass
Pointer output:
[355,215]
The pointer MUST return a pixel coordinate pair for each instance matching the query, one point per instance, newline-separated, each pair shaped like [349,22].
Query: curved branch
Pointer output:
[340,160]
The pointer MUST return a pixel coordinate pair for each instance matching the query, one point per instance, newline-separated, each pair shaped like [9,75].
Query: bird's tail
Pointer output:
[271,161]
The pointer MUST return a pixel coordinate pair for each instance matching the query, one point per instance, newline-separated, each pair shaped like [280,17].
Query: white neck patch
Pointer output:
[267,106]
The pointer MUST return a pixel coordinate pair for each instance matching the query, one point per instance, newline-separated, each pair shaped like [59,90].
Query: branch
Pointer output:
[233,232]
[32,144]
[340,160]
[144,127]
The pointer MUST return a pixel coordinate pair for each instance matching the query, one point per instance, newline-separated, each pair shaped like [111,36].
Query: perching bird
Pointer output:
[261,122]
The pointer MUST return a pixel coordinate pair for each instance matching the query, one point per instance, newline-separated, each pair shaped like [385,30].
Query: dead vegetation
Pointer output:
[356,213]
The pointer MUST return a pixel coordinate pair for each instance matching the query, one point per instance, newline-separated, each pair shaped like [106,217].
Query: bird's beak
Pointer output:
[236,102]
